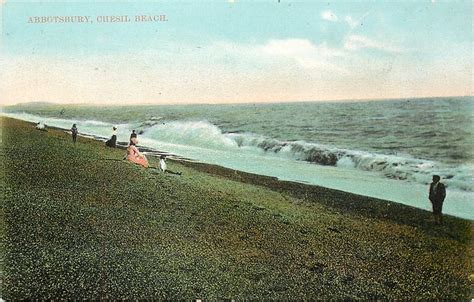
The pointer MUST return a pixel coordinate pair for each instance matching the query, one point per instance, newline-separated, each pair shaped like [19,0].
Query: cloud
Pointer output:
[329,16]
[297,48]
[272,70]
[357,42]
[352,23]
[303,52]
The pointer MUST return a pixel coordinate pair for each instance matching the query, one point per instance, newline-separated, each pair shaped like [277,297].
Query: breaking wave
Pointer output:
[206,135]
[194,133]
[400,166]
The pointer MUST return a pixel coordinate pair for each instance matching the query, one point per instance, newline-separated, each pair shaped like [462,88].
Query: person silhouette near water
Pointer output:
[437,195]
[112,142]
[132,135]
[74,132]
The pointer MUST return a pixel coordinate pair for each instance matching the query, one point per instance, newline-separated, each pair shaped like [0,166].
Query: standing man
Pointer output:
[74,133]
[436,196]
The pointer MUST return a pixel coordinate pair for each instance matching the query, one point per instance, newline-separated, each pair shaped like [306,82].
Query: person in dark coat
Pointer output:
[437,195]
[112,142]
[132,135]
[74,132]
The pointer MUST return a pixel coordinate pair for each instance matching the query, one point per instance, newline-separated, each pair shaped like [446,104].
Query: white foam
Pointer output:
[401,179]
[89,127]
[458,203]
[194,133]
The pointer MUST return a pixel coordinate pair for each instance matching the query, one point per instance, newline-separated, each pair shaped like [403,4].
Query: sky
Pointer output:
[234,51]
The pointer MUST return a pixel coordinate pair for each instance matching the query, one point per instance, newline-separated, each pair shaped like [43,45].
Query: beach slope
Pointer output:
[78,222]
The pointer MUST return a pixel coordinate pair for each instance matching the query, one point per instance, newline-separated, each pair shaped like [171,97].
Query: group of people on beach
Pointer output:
[437,191]
[133,153]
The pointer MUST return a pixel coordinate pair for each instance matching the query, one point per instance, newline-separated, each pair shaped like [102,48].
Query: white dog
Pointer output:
[163,163]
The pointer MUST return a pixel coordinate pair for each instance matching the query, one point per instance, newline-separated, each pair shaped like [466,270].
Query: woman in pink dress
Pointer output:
[134,155]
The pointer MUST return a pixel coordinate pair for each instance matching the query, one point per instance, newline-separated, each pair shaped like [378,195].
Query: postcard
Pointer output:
[234,150]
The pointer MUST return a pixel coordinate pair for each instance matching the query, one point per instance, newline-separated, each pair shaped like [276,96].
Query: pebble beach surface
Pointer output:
[80,223]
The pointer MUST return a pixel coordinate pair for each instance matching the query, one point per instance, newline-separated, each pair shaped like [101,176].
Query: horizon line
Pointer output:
[237,103]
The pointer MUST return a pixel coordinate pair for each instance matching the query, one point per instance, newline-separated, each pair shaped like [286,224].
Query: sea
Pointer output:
[388,149]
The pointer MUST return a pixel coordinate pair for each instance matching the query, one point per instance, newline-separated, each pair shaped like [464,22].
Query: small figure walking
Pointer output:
[132,135]
[437,195]
[113,140]
[74,133]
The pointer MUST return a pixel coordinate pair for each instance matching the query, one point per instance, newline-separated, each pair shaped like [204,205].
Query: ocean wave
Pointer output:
[393,166]
[195,133]
[206,135]
[90,127]
[94,123]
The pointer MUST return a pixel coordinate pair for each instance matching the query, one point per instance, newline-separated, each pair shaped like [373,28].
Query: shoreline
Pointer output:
[356,181]
[366,206]
[120,145]
[359,202]
[82,223]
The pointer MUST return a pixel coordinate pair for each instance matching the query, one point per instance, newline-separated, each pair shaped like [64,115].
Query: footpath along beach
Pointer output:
[78,222]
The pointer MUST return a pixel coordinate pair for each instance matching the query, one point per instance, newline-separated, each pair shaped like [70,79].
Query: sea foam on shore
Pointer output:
[363,173]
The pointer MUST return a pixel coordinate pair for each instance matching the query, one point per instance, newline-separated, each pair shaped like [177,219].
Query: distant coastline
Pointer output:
[42,103]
